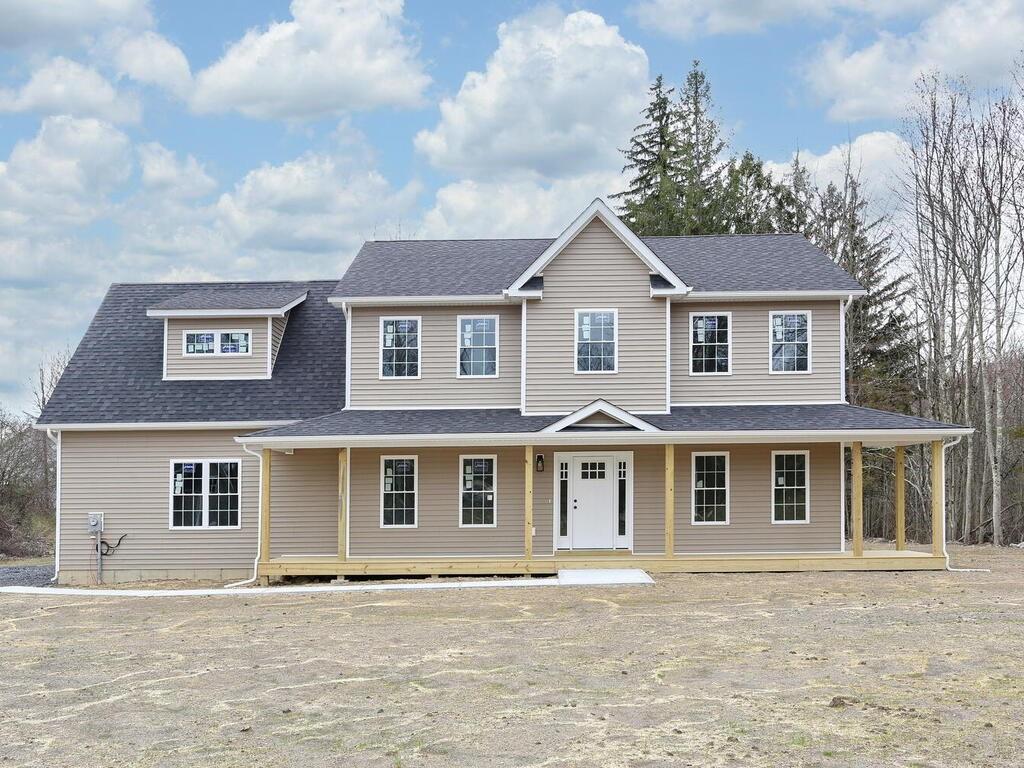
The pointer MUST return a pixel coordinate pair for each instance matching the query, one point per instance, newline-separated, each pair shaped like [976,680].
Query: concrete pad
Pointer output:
[603,576]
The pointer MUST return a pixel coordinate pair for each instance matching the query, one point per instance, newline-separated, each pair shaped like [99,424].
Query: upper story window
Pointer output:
[710,343]
[199,343]
[597,334]
[205,494]
[789,486]
[478,346]
[400,347]
[790,336]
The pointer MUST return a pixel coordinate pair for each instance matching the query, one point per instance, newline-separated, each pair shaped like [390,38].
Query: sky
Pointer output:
[194,141]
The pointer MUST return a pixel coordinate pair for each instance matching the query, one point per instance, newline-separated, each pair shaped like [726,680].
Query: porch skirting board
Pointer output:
[873,560]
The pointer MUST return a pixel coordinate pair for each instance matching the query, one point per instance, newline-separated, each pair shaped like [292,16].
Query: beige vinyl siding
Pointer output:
[278,324]
[750,381]
[304,503]
[595,271]
[750,527]
[438,385]
[437,532]
[126,476]
[252,366]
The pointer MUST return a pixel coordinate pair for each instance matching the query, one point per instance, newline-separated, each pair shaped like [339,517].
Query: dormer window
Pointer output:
[597,336]
[201,343]
[400,347]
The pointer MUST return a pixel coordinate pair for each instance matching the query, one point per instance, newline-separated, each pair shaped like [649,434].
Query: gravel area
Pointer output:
[26,575]
[797,670]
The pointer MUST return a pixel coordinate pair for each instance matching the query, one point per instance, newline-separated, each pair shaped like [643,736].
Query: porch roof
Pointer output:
[819,422]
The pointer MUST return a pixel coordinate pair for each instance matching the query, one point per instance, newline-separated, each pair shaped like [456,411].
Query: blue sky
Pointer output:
[189,140]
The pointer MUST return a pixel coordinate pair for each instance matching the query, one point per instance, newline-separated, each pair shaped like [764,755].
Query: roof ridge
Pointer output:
[726,234]
[460,239]
[222,283]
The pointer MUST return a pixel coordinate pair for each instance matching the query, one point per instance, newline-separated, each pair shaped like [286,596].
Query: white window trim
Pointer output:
[458,346]
[576,342]
[807,488]
[216,342]
[693,487]
[494,458]
[415,490]
[206,462]
[689,355]
[380,347]
[810,339]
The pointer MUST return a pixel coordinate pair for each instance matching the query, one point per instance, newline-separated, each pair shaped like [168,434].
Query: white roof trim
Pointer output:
[598,210]
[355,301]
[779,295]
[158,425]
[609,410]
[263,312]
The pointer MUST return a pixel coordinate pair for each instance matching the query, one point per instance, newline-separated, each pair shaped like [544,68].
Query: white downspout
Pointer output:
[843,309]
[259,525]
[56,544]
[945,553]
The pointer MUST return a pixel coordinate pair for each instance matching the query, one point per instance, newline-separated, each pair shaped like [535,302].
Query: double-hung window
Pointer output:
[398,491]
[710,343]
[477,491]
[710,472]
[597,336]
[478,346]
[790,340]
[400,347]
[201,343]
[205,493]
[790,487]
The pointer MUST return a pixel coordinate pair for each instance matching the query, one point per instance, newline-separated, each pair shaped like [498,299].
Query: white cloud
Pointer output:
[558,97]
[688,18]
[148,57]
[161,172]
[333,56]
[62,86]
[28,23]
[976,38]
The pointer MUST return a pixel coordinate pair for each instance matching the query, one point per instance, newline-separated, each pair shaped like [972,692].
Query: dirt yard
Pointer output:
[874,669]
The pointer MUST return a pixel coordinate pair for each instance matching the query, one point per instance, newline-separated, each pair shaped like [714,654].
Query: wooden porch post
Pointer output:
[528,469]
[670,500]
[265,512]
[342,503]
[901,498]
[938,499]
[857,513]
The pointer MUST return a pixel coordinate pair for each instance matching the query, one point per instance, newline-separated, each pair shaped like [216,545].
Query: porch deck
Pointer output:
[871,560]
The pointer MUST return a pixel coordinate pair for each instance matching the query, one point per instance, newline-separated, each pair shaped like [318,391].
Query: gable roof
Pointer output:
[578,419]
[248,300]
[116,374]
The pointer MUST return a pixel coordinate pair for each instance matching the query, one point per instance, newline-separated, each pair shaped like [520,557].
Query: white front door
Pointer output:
[593,502]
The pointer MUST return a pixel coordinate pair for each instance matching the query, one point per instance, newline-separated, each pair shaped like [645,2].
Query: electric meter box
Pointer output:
[95,522]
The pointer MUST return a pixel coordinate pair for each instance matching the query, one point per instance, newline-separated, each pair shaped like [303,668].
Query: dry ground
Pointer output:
[716,670]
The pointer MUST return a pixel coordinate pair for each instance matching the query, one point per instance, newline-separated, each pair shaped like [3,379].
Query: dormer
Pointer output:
[212,333]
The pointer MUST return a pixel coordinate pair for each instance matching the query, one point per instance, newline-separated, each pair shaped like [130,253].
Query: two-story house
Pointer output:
[480,406]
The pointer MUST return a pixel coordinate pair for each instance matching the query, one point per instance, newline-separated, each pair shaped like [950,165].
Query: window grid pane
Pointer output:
[710,493]
[592,470]
[789,502]
[400,354]
[790,342]
[223,489]
[709,344]
[187,494]
[234,343]
[399,493]
[477,503]
[595,341]
[199,344]
[478,346]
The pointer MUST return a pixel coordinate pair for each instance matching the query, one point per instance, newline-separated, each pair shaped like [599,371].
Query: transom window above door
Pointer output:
[596,340]
[400,347]
[478,346]
[790,335]
[710,343]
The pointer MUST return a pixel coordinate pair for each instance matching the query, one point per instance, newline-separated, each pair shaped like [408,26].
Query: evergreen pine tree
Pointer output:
[749,202]
[795,201]
[701,169]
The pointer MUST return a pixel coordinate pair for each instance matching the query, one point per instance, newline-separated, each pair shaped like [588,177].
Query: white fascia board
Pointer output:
[599,210]
[875,437]
[264,312]
[354,301]
[608,409]
[780,295]
[164,425]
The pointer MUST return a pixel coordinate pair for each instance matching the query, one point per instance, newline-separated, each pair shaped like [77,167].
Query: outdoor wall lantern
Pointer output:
[540,462]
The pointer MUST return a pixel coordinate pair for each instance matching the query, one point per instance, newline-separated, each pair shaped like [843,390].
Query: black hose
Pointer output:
[106,549]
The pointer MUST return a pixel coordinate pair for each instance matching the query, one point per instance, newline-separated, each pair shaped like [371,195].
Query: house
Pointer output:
[480,406]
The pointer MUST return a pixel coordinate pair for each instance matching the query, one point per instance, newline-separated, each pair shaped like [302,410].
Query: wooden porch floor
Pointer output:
[329,565]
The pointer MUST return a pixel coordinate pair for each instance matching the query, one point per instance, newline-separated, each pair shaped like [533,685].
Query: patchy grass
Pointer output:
[873,669]
[23,562]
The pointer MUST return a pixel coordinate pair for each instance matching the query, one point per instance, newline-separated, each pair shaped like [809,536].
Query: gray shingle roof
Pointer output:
[487,267]
[715,418]
[242,297]
[116,373]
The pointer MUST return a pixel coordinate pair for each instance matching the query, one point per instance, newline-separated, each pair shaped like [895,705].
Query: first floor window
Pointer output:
[596,337]
[789,487]
[710,488]
[199,343]
[400,347]
[234,342]
[790,342]
[398,492]
[709,343]
[478,346]
[477,490]
[205,494]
